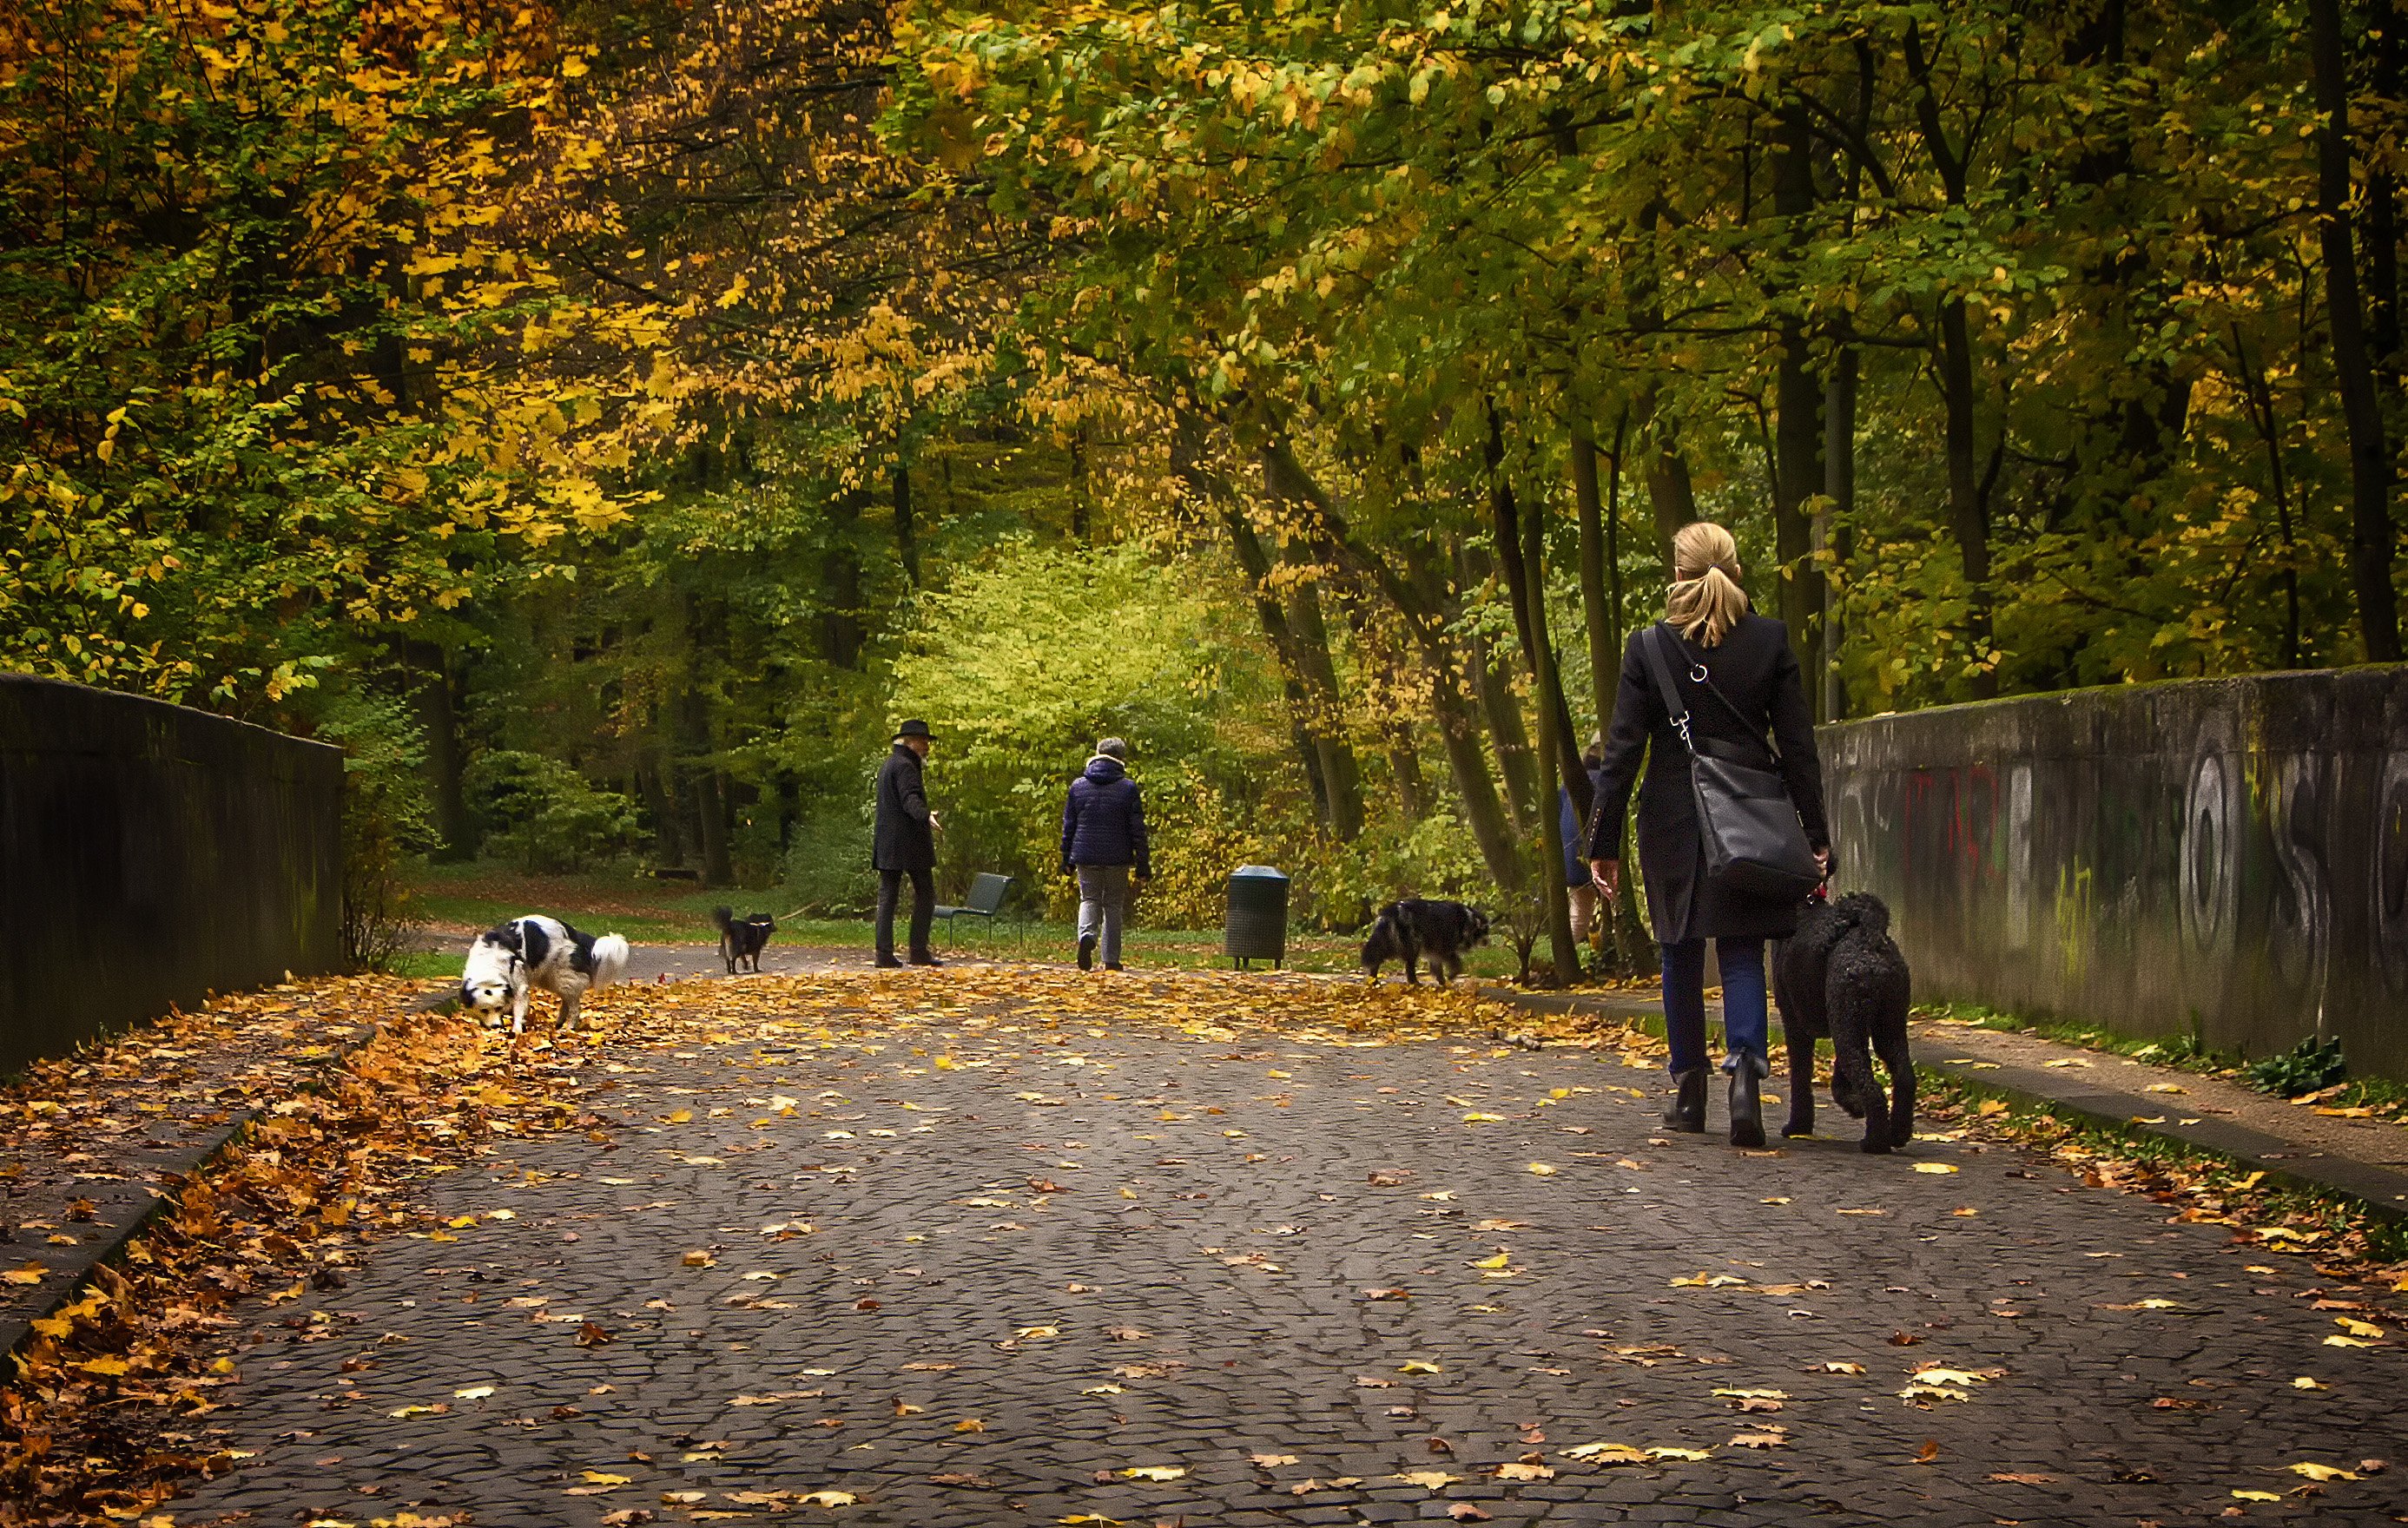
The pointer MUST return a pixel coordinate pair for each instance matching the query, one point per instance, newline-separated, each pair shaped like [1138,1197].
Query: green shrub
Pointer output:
[543,816]
[2309,1066]
[827,869]
[386,823]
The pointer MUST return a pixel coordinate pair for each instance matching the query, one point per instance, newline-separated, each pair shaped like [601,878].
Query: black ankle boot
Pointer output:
[1687,1109]
[1746,1110]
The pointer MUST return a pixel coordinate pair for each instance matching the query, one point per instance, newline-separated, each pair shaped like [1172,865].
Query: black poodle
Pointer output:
[1842,975]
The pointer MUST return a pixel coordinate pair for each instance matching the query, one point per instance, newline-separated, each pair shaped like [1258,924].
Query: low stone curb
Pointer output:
[206,1154]
[2380,1190]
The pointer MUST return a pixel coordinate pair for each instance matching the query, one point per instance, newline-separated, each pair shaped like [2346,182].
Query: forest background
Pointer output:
[606,421]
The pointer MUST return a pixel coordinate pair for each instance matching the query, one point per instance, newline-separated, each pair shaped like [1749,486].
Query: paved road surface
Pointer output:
[1278,1278]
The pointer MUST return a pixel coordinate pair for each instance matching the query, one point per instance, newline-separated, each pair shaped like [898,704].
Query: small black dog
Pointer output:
[1413,930]
[742,941]
[1840,974]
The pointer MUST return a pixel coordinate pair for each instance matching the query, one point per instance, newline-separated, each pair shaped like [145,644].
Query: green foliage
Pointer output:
[544,817]
[2310,1066]
[386,825]
[827,865]
[1021,663]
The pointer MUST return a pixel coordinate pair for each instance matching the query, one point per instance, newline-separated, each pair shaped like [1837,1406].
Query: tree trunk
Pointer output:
[1670,494]
[1968,512]
[1525,581]
[437,698]
[1405,766]
[1473,785]
[1798,426]
[1602,620]
[1316,669]
[2369,455]
[907,533]
[658,787]
[1339,769]
[1835,531]
[1968,515]
[711,793]
[1506,730]
[1553,747]
[840,629]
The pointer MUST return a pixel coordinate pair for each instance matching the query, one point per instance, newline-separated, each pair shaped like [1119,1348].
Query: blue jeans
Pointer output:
[1745,1017]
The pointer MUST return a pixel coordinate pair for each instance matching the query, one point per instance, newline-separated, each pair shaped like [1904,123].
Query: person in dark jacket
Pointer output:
[905,844]
[1718,645]
[1103,836]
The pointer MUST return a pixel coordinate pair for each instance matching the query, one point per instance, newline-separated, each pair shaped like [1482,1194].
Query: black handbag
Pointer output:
[1755,843]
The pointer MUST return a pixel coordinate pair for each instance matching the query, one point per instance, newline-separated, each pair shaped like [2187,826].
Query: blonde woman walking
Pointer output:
[1737,679]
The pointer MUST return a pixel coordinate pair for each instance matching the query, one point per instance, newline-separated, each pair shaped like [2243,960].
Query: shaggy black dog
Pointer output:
[1413,930]
[742,941]
[1840,974]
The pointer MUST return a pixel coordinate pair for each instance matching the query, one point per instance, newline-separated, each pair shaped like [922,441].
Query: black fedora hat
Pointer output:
[914,728]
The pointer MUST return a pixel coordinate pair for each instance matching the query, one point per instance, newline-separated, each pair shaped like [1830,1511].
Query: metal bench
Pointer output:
[987,892]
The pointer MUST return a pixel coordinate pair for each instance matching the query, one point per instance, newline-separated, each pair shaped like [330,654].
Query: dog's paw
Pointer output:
[1798,1127]
[1876,1144]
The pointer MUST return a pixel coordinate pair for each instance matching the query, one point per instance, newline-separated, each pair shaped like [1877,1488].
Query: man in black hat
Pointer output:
[906,844]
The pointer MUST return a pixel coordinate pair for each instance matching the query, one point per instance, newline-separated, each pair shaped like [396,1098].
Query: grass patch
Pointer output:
[2184,1052]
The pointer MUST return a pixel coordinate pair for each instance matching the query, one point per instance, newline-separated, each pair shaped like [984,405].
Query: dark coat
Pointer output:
[904,840]
[1753,668]
[1103,822]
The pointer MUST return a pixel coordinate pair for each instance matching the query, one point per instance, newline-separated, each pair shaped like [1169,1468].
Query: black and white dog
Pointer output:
[1842,975]
[1413,930]
[744,941]
[511,960]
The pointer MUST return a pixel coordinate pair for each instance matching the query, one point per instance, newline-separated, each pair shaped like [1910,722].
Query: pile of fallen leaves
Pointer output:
[106,1410]
[2344,1238]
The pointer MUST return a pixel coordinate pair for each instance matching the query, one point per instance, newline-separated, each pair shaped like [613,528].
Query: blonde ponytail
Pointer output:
[1705,601]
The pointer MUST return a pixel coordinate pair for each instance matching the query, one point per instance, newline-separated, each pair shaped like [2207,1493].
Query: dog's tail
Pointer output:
[1864,911]
[724,918]
[610,959]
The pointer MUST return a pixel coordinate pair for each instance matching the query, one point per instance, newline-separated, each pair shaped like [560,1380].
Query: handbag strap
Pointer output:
[1654,644]
[1660,637]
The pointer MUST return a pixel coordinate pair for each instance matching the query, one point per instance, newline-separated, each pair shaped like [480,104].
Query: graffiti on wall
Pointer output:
[2226,856]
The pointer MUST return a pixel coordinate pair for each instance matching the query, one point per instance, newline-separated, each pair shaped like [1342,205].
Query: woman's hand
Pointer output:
[1823,862]
[1608,876]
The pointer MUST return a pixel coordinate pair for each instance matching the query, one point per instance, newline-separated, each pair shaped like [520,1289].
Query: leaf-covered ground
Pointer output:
[1011,1247]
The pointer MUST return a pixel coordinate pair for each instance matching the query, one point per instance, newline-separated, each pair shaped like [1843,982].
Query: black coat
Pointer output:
[905,841]
[1756,672]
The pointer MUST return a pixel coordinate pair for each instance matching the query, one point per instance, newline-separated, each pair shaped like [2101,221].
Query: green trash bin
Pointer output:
[1257,923]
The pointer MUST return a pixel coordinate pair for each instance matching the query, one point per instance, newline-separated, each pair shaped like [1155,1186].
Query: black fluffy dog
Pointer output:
[1413,930]
[1840,974]
[744,941]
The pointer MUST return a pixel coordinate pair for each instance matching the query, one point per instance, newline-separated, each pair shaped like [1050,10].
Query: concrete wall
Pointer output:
[2227,854]
[149,854]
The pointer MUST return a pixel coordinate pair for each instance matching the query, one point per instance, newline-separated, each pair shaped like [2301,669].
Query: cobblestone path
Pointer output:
[967,1270]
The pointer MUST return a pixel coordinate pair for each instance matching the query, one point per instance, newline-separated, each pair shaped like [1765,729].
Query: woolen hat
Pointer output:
[914,728]
[1112,747]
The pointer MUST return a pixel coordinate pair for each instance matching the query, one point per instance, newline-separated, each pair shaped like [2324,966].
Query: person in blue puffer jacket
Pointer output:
[1103,837]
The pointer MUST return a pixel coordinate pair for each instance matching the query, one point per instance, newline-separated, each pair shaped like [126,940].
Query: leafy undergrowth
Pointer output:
[107,1408]
[2338,1233]
[110,1411]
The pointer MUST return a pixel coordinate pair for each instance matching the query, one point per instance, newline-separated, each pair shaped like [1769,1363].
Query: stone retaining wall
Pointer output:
[2226,856]
[151,854]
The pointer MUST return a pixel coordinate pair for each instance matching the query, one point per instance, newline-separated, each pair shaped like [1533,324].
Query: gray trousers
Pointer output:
[1103,902]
